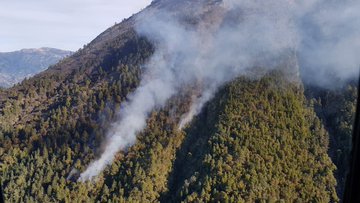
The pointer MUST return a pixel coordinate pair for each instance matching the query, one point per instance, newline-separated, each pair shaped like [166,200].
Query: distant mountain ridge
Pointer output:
[17,65]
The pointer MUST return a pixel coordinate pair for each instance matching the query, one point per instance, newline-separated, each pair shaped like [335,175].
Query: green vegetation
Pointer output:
[256,141]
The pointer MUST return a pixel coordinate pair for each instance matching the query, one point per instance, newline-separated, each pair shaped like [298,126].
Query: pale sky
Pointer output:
[63,24]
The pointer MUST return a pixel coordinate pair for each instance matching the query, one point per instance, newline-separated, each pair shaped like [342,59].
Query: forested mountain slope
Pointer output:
[258,140]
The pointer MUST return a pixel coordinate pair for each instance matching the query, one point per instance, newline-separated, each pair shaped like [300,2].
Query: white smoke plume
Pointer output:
[329,51]
[196,105]
[240,35]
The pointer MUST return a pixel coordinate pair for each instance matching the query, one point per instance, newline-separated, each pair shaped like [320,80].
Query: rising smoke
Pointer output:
[226,39]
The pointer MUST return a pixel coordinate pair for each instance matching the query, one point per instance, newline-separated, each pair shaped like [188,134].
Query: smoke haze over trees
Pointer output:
[220,47]
[193,101]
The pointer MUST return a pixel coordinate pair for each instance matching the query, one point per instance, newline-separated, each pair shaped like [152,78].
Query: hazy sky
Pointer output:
[64,24]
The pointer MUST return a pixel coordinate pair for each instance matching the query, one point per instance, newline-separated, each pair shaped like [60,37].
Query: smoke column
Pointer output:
[238,36]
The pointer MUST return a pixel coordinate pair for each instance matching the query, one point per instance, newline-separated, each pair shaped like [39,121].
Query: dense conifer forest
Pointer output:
[265,139]
[257,140]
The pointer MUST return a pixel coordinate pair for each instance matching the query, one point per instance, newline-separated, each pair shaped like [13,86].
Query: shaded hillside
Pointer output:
[15,66]
[337,109]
